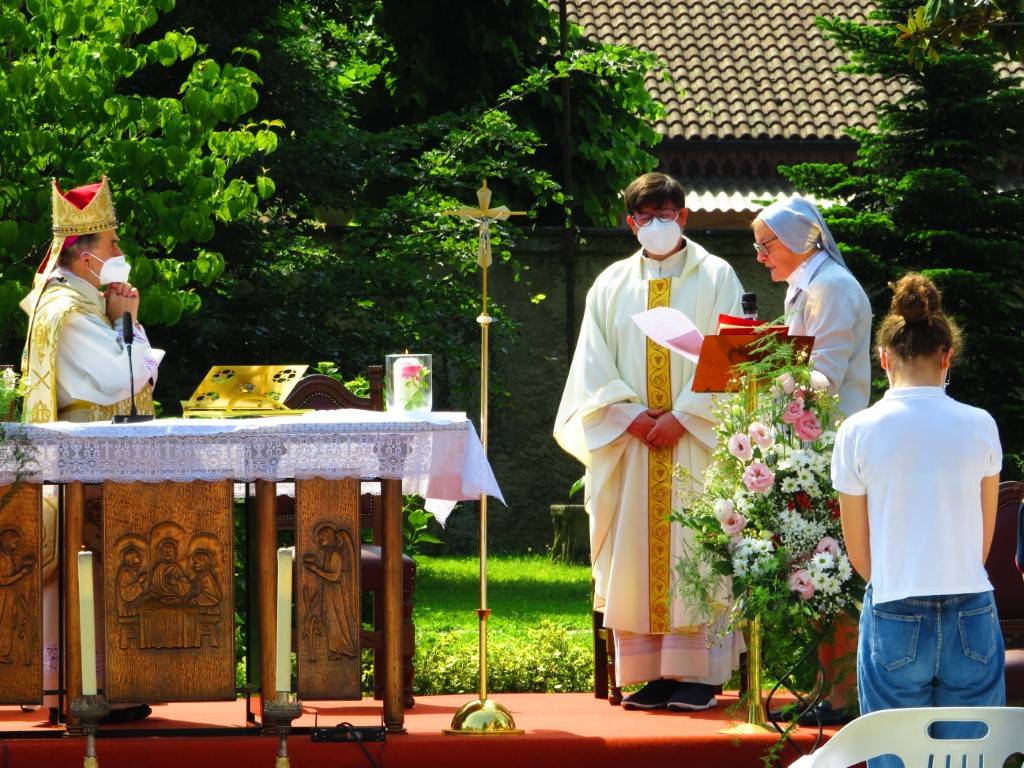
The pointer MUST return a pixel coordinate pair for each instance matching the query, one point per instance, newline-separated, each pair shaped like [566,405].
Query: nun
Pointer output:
[823,300]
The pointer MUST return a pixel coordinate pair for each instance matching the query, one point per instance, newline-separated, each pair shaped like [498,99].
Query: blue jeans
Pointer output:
[936,651]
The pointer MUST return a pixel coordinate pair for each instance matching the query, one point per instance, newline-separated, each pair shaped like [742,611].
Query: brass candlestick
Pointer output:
[90,710]
[280,713]
[483,716]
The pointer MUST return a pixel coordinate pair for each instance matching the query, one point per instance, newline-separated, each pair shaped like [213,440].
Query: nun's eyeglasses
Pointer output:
[762,248]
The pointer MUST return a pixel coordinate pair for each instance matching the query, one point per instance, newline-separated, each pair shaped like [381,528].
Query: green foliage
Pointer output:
[71,107]
[925,194]
[945,24]
[539,636]
[548,658]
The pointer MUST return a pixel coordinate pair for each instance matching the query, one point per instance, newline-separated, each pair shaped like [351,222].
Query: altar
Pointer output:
[165,605]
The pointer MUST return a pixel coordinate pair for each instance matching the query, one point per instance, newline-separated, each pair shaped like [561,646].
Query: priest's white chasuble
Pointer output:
[616,374]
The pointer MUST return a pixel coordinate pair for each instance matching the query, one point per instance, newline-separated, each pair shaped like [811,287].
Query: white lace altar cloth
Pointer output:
[436,455]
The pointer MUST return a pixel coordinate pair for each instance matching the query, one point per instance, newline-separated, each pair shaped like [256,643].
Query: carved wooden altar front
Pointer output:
[154,502]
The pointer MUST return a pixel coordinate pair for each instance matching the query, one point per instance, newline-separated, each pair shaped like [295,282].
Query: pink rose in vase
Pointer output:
[410,371]
[807,427]
[758,478]
[800,582]
[793,411]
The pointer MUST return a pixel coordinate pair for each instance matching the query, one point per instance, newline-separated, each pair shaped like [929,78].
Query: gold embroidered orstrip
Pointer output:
[659,472]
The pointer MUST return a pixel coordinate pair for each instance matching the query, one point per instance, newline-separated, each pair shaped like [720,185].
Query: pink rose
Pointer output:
[410,371]
[760,434]
[723,509]
[787,383]
[793,411]
[758,478]
[740,447]
[807,426]
[800,582]
[734,523]
[828,544]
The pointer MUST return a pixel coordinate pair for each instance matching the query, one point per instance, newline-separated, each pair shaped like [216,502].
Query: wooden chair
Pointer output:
[1008,585]
[321,392]
[604,662]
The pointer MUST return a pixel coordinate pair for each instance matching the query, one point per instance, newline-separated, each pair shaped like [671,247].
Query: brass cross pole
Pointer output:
[482,715]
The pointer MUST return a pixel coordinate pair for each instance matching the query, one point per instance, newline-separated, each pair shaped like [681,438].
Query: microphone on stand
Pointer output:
[128,333]
[749,304]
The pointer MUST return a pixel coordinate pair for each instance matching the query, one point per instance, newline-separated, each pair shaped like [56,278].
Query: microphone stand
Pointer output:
[133,416]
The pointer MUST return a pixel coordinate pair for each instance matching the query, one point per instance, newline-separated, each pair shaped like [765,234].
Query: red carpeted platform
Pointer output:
[562,730]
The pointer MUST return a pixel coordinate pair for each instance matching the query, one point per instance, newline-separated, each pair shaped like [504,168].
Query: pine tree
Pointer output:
[929,191]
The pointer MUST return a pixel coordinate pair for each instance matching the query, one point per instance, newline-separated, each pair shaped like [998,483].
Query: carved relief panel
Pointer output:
[327,589]
[21,609]
[168,592]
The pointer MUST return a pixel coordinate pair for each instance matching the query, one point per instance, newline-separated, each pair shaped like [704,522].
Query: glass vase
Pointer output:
[409,386]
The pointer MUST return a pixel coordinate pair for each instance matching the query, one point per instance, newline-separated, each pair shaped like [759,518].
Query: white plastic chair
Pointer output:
[904,733]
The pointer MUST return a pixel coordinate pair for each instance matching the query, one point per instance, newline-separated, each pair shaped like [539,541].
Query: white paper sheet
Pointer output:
[672,329]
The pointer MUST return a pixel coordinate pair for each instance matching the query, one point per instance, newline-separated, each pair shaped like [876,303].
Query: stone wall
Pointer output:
[531,469]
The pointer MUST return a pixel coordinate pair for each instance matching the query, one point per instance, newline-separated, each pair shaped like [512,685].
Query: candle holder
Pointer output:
[280,713]
[90,710]
[409,382]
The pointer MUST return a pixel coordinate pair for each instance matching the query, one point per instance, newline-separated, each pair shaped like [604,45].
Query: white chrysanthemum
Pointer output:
[843,569]
[823,560]
[828,438]
[805,478]
[789,485]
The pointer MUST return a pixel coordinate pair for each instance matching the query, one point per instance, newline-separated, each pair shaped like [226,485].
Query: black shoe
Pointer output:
[693,697]
[822,712]
[654,695]
[127,715]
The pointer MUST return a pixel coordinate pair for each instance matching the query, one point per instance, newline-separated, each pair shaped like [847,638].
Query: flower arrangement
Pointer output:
[409,380]
[767,517]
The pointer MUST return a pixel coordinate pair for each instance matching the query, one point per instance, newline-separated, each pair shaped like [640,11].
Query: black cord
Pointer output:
[355,735]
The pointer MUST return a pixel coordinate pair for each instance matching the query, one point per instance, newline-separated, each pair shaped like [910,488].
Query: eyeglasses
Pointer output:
[665,215]
[762,248]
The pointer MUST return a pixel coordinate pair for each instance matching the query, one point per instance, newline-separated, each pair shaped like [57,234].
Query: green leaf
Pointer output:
[8,233]
[264,187]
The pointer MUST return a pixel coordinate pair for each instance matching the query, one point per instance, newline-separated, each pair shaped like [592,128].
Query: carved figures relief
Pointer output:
[21,680]
[327,597]
[168,591]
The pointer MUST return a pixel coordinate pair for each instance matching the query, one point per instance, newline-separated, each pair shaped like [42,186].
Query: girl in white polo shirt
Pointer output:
[918,481]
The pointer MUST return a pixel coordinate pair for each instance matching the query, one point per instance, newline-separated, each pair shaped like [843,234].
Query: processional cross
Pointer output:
[483,715]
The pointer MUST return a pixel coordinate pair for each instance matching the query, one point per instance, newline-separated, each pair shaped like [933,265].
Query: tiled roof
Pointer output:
[741,69]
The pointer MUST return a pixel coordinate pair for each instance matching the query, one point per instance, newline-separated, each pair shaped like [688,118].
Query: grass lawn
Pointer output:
[538,634]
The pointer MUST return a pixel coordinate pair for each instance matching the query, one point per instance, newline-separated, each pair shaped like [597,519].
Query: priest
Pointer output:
[75,363]
[629,415]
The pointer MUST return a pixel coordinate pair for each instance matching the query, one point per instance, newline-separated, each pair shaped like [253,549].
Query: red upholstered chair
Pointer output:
[1009,585]
[321,392]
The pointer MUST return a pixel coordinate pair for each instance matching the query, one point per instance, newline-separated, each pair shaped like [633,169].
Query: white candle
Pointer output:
[283,667]
[403,387]
[87,623]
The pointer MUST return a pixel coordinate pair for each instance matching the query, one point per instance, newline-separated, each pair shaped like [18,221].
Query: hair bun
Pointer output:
[915,299]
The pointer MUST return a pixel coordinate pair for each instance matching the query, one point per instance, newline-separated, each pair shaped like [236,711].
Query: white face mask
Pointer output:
[659,237]
[116,269]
